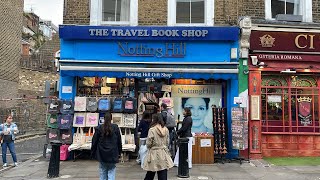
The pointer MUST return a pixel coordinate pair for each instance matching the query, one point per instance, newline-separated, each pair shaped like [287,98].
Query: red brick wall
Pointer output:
[290,145]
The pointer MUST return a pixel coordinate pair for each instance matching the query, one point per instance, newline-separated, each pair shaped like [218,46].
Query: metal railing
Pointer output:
[37,63]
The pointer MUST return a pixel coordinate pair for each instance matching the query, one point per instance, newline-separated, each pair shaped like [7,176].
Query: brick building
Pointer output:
[10,47]
[265,15]
[226,12]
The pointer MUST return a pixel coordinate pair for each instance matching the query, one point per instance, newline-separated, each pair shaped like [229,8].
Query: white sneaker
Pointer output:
[5,165]
[15,164]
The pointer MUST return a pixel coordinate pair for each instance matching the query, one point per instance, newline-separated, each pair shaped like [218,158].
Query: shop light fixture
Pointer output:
[254,60]
[289,71]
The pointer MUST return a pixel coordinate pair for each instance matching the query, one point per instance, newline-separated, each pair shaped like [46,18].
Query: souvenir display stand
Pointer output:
[239,129]
[220,134]
[98,96]
[59,124]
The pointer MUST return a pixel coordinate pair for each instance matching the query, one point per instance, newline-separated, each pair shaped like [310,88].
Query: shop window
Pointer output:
[290,107]
[114,12]
[190,12]
[294,7]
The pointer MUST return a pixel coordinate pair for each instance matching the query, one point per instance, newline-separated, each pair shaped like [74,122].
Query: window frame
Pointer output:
[289,122]
[208,14]
[305,8]
[96,14]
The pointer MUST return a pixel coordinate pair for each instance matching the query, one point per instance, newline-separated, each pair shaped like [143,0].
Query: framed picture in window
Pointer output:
[255,107]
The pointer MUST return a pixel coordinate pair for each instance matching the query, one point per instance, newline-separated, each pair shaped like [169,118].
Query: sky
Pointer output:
[46,9]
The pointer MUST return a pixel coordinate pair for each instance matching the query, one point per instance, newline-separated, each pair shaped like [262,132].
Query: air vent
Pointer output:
[289,18]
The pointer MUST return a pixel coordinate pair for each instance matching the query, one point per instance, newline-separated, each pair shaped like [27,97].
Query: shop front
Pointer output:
[195,67]
[284,94]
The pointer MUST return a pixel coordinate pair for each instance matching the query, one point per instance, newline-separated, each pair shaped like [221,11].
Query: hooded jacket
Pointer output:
[158,157]
[107,149]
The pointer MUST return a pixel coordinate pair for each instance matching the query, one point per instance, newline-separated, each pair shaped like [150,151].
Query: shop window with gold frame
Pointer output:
[290,104]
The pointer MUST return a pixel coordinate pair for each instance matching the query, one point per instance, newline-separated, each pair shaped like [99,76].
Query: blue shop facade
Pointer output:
[194,67]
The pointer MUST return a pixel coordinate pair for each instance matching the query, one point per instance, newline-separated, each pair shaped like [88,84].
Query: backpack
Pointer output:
[170,123]
[118,105]
[104,104]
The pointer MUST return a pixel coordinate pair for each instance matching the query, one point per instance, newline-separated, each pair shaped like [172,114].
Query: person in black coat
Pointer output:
[185,132]
[107,147]
[144,125]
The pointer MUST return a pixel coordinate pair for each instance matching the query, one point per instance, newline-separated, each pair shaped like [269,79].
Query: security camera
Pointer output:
[254,60]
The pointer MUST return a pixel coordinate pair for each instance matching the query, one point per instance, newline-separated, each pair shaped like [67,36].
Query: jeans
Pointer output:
[162,175]
[12,150]
[107,171]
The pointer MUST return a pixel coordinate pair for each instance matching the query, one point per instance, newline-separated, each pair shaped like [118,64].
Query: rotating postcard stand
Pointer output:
[239,130]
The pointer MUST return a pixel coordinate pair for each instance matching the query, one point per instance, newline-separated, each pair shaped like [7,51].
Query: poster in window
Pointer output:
[255,107]
[200,99]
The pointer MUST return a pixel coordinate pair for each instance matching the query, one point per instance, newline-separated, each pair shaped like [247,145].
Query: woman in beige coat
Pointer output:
[158,158]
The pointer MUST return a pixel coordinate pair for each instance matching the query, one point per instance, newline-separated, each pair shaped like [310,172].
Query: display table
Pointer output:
[203,150]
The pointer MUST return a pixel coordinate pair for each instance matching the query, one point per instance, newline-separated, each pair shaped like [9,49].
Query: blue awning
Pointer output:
[174,75]
[157,71]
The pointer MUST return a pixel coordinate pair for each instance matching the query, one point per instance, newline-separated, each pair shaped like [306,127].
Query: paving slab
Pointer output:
[88,169]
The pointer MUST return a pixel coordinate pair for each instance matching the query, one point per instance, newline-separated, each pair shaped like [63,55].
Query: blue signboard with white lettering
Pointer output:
[150,52]
[71,32]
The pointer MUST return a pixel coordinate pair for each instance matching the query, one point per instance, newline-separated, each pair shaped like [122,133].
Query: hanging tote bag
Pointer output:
[104,104]
[52,121]
[53,106]
[118,105]
[89,135]
[66,136]
[52,135]
[80,104]
[65,121]
[129,137]
[166,99]
[64,153]
[79,120]
[117,118]
[79,137]
[92,119]
[92,104]
[130,105]
[66,106]
[129,120]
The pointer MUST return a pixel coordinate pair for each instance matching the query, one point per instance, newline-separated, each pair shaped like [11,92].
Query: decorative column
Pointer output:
[245,25]
[255,114]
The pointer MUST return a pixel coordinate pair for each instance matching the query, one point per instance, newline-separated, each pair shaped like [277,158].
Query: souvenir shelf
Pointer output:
[220,134]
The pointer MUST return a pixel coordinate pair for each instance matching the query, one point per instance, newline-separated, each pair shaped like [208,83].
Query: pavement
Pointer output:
[27,146]
[36,169]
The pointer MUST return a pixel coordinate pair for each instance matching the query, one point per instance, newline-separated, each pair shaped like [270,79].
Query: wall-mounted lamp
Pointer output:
[254,60]
[289,71]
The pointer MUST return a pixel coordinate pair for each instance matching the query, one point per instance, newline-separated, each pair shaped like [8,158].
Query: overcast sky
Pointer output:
[46,9]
